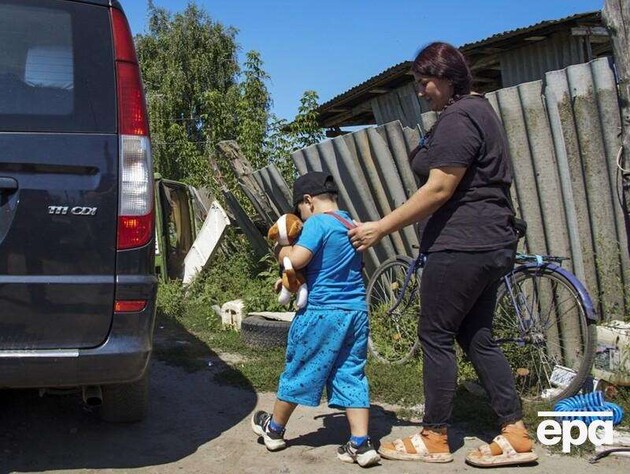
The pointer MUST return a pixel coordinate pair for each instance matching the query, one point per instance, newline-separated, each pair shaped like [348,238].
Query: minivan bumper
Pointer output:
[123,357]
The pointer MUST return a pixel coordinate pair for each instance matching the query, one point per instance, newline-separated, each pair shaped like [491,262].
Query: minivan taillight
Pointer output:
[135,205]
[129,306]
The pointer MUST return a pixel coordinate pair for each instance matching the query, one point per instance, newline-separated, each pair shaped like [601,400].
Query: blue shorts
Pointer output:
[327,348]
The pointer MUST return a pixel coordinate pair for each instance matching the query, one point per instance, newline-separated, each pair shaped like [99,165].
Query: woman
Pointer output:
[470,242]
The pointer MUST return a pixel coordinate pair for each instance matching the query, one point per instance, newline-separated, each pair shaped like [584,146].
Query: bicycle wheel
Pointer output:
[393,337]
[541,324]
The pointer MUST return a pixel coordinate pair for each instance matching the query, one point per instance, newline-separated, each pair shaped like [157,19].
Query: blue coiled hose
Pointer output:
[593,401]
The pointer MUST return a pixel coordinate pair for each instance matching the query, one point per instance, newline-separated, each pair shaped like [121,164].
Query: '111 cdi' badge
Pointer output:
[75,211]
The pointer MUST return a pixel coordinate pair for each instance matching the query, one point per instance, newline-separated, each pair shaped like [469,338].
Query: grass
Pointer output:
[194,337]
[184,343]
[396,384]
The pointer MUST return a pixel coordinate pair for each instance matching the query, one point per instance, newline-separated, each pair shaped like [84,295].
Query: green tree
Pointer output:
[253,111]
[197,96]
[191,75]
[284,138]
[305,128]
[240,113]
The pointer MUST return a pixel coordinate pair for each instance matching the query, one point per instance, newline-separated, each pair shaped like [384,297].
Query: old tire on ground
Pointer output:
[261,332]
[126,402]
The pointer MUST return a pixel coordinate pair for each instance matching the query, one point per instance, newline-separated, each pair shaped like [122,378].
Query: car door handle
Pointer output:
[8,184]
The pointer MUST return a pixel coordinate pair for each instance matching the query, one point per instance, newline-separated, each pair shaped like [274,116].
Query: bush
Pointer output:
[171,299]
[234,273]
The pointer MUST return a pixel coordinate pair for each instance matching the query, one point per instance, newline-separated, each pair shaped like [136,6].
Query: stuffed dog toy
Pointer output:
[284,232]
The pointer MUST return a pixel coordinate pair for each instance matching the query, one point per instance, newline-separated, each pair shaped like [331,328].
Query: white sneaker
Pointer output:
[364,455]
[260,424]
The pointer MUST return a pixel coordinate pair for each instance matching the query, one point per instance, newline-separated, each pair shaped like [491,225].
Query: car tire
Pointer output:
[261,332]
[127,402]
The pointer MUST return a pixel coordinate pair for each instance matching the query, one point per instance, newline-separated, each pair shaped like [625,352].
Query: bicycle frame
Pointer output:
[532,296]
[413,268]
[525,320]
[533,262]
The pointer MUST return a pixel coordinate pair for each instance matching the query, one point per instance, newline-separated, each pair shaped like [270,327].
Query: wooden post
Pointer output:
[230,152]
[616,16]
[251,225]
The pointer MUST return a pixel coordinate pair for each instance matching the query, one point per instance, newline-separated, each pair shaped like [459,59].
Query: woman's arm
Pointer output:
[425,201]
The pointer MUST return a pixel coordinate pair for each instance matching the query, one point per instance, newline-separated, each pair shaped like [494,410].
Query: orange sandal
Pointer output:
[483,456]
[426,446]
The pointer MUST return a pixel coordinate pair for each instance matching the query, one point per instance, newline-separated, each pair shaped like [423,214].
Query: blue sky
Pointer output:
[330,46]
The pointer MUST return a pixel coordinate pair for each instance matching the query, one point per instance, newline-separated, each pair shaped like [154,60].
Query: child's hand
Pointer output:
[277,286]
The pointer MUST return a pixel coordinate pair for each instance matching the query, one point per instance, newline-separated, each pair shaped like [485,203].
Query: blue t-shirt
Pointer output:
[333,275]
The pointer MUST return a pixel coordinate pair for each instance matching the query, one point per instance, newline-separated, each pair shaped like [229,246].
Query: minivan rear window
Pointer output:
[56,67]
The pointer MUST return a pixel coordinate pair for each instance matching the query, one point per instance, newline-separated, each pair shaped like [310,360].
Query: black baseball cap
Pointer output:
[313,183]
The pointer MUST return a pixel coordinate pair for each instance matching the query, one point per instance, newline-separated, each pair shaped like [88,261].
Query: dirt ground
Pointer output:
[195,425]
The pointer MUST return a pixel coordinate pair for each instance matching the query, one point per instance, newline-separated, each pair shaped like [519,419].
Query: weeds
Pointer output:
[236,273]
[196,337]
[396,384]
[399,385]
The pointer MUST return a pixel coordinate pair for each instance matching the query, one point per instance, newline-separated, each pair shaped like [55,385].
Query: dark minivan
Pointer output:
[77,283]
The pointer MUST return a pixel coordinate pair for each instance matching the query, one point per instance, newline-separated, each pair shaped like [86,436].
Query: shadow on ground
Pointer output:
[187,409]
[334,428]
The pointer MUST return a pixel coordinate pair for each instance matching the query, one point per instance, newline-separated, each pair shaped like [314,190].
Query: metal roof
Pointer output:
[392,77]
[350,107]
[536,27]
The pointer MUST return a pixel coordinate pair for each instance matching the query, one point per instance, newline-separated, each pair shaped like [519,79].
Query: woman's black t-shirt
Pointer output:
[478,216]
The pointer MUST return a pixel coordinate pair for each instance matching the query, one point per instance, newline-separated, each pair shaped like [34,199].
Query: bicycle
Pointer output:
[544,322]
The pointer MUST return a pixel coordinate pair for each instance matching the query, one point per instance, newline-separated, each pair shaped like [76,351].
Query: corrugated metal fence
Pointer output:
[564,140]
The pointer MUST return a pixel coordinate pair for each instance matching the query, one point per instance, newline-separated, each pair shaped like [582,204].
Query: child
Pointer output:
[327,343]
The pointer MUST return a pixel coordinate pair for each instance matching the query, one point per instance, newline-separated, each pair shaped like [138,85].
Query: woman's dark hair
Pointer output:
[444,61]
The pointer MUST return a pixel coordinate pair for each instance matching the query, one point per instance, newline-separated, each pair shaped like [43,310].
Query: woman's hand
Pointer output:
[366,235]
